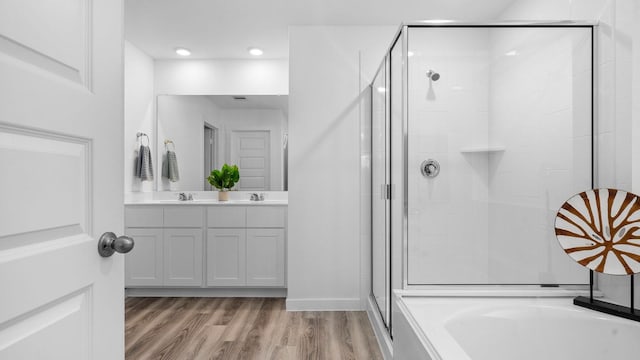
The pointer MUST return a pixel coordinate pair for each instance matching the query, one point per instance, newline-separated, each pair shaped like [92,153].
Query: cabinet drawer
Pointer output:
[226,216]
[266,216]
[182,216]
[143,216]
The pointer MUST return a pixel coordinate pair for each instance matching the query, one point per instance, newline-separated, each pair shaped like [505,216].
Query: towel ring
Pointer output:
[140,134]
[167,142]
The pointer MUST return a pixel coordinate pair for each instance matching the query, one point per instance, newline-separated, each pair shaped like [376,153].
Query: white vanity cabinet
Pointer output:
[246,246]
[168,246]
[205,247]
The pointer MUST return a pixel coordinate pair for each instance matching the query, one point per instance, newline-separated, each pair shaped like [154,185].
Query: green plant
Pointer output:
[225,178]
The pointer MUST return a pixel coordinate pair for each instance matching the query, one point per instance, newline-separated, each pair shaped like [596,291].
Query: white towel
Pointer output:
[170,167]
[144,167]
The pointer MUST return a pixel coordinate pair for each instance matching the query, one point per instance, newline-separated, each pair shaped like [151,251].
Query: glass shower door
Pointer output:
[506,113]
[380,246]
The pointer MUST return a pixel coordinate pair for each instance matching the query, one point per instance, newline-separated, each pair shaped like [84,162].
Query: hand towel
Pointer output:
[144,168]
[170,167]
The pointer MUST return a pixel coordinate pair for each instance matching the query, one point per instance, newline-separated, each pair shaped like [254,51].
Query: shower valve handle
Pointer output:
[430,168]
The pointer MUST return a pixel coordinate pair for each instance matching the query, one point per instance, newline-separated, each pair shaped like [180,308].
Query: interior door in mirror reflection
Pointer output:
[250,150]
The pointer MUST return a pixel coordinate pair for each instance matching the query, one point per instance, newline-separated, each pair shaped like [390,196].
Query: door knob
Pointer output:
[110,243]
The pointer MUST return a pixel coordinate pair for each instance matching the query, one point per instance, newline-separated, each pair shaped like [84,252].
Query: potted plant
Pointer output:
[224,179]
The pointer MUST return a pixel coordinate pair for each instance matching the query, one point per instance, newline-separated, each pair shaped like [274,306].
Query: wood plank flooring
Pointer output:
[242,328]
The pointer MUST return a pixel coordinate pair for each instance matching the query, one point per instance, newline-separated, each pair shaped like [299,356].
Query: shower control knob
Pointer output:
[430,168]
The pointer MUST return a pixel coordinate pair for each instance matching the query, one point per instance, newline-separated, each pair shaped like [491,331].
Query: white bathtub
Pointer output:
[508,328]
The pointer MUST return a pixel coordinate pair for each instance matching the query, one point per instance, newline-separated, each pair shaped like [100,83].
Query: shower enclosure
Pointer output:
[479,133]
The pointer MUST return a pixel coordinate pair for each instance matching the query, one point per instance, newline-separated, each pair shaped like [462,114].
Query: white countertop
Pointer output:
[207,198]
[209,202]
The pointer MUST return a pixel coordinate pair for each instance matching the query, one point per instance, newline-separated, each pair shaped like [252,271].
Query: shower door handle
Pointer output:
[430,168]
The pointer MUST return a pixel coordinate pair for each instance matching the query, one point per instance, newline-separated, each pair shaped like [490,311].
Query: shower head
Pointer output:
[433,75]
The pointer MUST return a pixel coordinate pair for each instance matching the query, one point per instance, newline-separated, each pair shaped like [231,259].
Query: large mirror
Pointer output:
[206,131]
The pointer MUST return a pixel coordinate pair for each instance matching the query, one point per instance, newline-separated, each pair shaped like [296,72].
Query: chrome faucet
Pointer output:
[256,197]
[185,197]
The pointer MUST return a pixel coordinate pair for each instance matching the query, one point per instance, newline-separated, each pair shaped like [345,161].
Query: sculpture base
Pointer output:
[608,308]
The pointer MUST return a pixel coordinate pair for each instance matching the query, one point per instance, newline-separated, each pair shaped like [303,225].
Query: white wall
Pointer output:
[139,112]
[325,250]
[222,77]
[617,32]
[636,97]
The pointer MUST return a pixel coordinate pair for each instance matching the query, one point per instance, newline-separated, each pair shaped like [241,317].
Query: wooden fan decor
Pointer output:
[600,229]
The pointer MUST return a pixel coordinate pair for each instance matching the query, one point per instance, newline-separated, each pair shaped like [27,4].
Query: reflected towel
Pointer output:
[170,167]
[144,167]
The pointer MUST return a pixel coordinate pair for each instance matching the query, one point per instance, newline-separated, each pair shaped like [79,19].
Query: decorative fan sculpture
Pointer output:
[600,229]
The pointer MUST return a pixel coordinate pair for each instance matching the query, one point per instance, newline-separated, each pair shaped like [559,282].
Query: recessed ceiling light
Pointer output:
[511,53]
[183,52]
[255,51]
[410,53]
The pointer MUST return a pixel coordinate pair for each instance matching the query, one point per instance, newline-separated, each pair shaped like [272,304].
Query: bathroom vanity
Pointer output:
[206,247]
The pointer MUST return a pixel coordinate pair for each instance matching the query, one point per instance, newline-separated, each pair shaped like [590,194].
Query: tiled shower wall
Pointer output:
[488,216]
[446,116]
[540,112]
[617,32]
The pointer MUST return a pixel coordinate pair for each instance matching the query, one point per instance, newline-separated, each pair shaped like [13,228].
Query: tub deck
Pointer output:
[485,327]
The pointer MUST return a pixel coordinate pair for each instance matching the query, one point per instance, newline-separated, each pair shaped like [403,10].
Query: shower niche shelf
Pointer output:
[483,149]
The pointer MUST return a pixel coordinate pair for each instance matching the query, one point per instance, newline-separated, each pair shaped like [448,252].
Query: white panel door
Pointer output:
[250,150]
[61,153]
[265,257]
[226,256]
[182,257]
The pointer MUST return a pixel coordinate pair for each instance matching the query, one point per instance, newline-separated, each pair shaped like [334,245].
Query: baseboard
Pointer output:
[209,292]
[384,341]
[324,304]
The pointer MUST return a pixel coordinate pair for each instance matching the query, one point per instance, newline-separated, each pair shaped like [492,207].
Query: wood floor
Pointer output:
[242,328]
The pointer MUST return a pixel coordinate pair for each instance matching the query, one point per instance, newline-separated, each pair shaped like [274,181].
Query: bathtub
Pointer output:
[508,328]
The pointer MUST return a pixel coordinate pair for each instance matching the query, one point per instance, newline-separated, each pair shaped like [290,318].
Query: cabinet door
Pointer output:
[265,257]
[226,257]
[143,265]
[183,257]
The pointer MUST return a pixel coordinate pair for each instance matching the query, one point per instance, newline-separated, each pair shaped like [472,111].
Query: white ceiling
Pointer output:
[219,29]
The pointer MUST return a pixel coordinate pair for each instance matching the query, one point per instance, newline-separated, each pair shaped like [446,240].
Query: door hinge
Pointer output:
[388,192]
